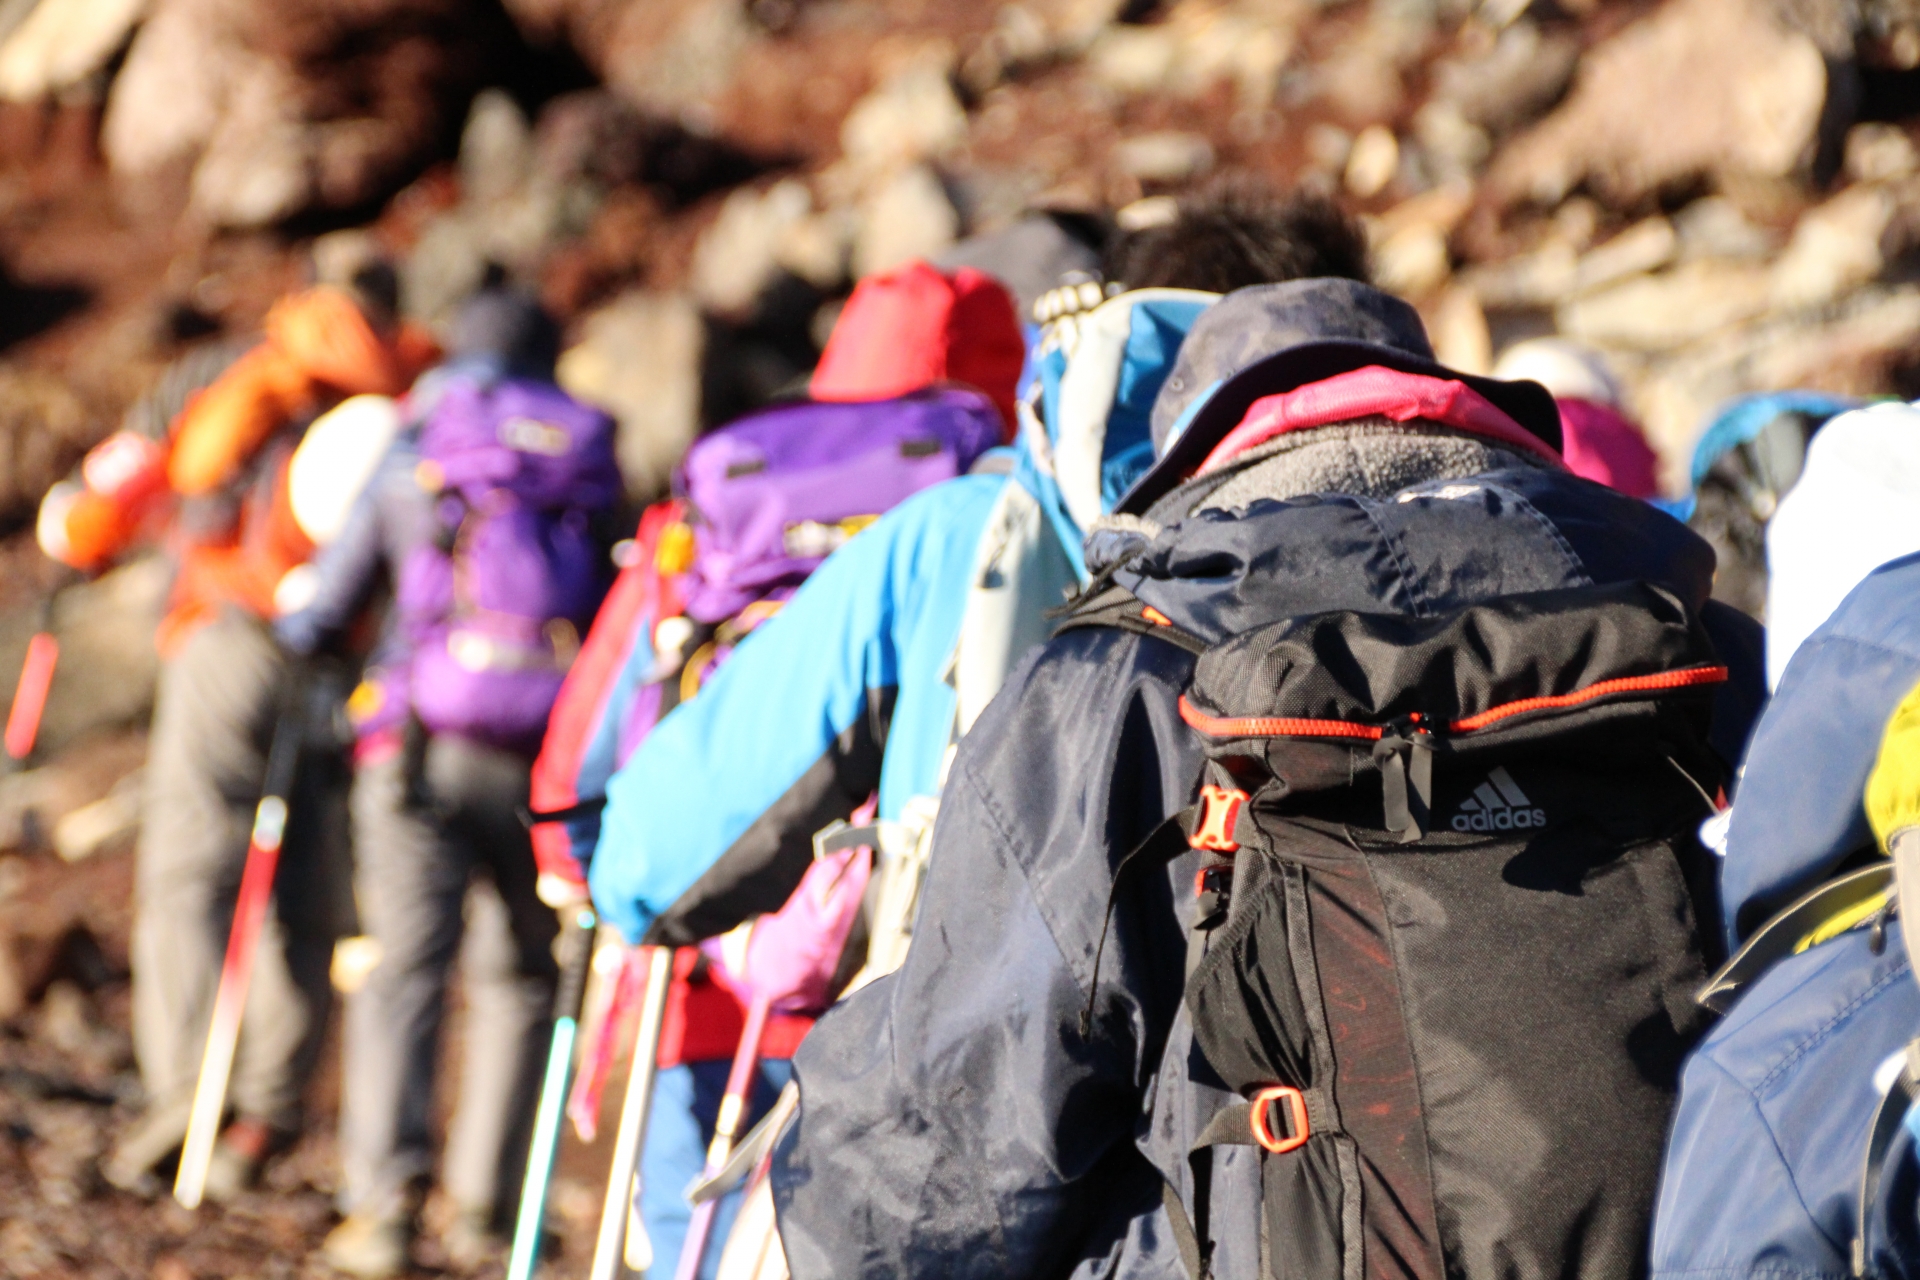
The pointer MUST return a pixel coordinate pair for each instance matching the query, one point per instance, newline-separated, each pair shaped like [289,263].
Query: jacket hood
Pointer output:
[1798,813]
[1269,339]
[1096,376]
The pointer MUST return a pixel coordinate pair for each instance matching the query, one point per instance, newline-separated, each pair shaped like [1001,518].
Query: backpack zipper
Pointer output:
[1294,727]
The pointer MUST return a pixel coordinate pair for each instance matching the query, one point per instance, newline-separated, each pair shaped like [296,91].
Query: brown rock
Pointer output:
[43,431]
[1712,87]
[639,358]
[287,106]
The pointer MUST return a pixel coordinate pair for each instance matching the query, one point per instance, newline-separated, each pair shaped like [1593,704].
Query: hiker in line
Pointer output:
[1746,461]
[893,670]
[216,489]
[912,346]
[497,473]
[996,1101]
[1763,1170]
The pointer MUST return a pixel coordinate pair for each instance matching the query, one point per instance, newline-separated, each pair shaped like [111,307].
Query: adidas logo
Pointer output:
[1498,804]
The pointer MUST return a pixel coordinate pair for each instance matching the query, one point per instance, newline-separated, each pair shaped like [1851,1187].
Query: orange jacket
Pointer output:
[319,348]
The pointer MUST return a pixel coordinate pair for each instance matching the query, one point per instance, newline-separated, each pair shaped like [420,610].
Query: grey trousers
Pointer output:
[216,705]
[448,863]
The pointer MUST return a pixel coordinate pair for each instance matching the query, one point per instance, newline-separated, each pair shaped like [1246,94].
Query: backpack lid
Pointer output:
[1489,667]
[916,326]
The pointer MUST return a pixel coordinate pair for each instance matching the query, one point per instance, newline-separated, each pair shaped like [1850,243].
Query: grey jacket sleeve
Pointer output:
[954,1120]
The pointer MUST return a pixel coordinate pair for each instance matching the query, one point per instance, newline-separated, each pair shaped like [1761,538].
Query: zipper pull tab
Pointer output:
[1405,756]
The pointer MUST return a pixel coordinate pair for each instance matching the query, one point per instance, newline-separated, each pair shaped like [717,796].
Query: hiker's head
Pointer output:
[1235,235]
[1288,360]
[374,287]
[916,326]
[507,325]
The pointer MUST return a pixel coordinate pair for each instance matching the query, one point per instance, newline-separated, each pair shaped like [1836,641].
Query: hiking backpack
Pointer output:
[760,504]
[772,495]
[1451,915]
[494,608]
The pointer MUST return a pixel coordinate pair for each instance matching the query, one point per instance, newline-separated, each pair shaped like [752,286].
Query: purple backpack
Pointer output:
[772,494]
[495,609]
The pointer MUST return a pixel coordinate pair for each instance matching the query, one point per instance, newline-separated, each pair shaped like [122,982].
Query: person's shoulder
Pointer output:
[1835,1007]
[935,509]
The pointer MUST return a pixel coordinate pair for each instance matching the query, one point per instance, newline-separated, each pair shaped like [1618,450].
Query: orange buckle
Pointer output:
[1219,811]
[1257,1118]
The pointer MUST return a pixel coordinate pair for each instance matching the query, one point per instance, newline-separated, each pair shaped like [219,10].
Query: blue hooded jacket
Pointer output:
[1763,1169]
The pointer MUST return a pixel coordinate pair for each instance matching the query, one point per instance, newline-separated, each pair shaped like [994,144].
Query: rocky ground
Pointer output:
[1724,195]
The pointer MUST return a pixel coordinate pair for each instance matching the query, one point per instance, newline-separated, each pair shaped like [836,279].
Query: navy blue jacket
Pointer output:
[954,1122]
[1762,1171]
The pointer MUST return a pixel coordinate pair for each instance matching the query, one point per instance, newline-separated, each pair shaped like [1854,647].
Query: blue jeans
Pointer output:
[686,1101]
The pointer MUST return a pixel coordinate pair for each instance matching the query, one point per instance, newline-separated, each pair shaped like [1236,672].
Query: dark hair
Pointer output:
[507,323]
[1237,234]
[375,286]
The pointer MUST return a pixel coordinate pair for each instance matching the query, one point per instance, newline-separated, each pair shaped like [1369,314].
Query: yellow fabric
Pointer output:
[1842,921]
[1893,788]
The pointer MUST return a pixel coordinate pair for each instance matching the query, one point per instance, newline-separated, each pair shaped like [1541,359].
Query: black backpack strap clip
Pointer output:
[1117,607]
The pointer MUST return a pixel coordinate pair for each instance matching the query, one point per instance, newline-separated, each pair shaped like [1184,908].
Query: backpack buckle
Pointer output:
[1297,1108]
[1219,813]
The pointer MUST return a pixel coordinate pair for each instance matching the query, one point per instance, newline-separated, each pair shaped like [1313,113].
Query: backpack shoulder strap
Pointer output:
[1839,904]
[1115,606]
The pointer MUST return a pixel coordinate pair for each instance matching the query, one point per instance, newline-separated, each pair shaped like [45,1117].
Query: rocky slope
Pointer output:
[1724,195]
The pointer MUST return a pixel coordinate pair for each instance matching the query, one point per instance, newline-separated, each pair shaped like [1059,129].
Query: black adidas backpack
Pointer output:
[1449,926]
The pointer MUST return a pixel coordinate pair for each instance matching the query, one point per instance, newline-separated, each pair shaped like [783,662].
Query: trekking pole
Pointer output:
[249,915]
[30,694]
[608,1002]
[726,1126]
[541,1151]
[610,1249]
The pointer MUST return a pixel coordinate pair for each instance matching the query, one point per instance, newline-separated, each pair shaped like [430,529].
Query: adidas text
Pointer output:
[1498,804]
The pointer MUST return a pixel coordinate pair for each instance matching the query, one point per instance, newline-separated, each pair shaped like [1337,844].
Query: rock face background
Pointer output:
[1723,195]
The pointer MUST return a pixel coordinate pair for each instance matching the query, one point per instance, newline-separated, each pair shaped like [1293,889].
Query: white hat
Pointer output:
[1568,369]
